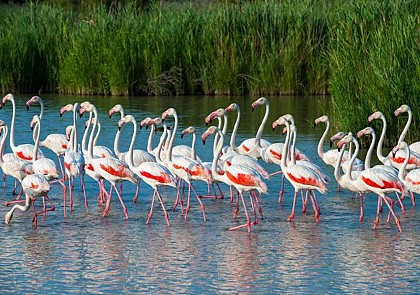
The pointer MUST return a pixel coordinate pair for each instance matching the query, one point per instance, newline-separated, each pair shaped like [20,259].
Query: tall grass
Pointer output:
[365,53]
[375,64]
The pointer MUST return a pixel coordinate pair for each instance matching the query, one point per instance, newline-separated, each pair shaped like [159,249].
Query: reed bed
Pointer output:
[364,53]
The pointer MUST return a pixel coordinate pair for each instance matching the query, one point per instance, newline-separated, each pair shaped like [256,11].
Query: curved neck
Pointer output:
[322,140]
[354,156]
[74,147]
[264,120]
[235,129]
[161,141]
[285,146]
[337,166]
[12,125]
[84,149]
[401,172]
[370,151]
[171,141]
[131,148]
[37,131]
[292,147]
[216,137]
[407,125]
[95,140]
[41,113]
[217,153]
[193,155]
[3,142]
[149,141]
[381,141]
[90,148]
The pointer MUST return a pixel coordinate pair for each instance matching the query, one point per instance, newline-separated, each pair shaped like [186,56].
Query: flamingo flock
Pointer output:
[179,167]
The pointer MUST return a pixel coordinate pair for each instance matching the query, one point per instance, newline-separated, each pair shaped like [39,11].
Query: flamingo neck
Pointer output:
[406,127]
[193,155]
[149,141]
[264,120]
[401,172]
[285,147]
[85,133]
[322,140]
[353,157]
[117,138]
[36,134]
[90,144]
[95,140]
[337,173]
[5,130]
[161,141]
[171,141]
[131,148]
[12,125]
[381,141]
[217,153]
[370,151]
[216,137]
[235,129]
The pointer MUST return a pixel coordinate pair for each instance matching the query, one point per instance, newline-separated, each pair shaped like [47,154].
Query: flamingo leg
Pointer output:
[252,198]
[281,189]
[314,206]
[122,202]
[45,210]
[413,199]
[292,215]
[400,202]
[361,208]
[199,200]
[378,211]
[108,202]
[397,221]
[149,216]
[137,192]
[163,207]
[248,221]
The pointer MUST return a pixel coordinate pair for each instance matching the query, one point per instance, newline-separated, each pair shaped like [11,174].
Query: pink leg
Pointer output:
[122,202]
[137,192]
[378,211]
[397,221]
[281,189]
[108,202]
[201,203]
[292,215]
[163,207]
[248,221]
[413,199]
[361,208]
[399,201]
[311,194]
[149,216]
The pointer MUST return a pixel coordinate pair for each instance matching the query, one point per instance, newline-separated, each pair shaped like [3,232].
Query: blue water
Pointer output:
[87,253]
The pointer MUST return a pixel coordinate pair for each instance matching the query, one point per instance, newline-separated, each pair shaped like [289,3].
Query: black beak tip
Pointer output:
[110,116]
[204,142]
[252,110]
[331,144]
[27,107]
[119,128]
[182,135]
[61,114]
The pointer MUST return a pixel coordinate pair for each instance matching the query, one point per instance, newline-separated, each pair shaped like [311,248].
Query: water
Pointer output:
[87,253]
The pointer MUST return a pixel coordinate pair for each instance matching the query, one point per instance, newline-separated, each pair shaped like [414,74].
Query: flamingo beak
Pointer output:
[27,107]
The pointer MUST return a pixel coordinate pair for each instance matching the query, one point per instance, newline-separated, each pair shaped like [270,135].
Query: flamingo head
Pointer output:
[115,109]
[86,106]
[345,140]
[259,101]
[35,120]
[280,121]
[399,146]
[66,108]
[322,119]
[402,109]
[69,130]
[365,131]
[209,131]
[189,130]
[337,136]
[231,107]
[34,99]
[144,122]
[7,97]
[215,114]
[290,118]
[154,122]
[126,119]
[168,112]
[375,115]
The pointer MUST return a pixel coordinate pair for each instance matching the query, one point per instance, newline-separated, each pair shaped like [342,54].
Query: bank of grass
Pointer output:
[365,53]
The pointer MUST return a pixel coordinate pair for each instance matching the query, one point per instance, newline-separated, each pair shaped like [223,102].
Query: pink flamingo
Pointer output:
[252,146]
[56,142]
[23,151]
[185,168]
[13,166]
[74,162]
[406,109]
[300,176]
[34,186]
[378,181]
[243,178]
[44,166]
[154,174]
[111,169]
[397,159]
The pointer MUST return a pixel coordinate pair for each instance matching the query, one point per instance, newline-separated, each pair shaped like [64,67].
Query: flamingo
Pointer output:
[13,166]
[243,178]
[183,167]
[252,146]
[378,181]
[74,162]
[44,166]
[154,174]
[56,142]
[397,160]
[300,176]
[406,109]
[34,186]
[111,169]
[23,151]
[411,179]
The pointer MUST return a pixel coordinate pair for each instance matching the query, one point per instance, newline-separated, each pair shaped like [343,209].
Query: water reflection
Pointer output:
[87,253]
